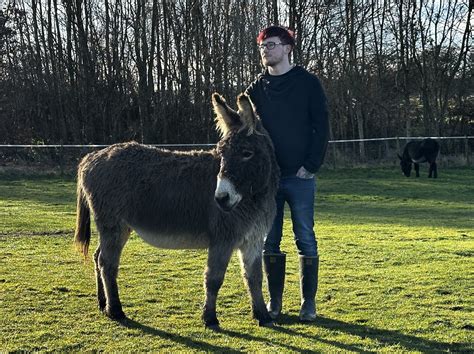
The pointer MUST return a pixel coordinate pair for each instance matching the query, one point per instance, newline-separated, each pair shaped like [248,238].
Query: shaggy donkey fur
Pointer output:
[222,200]
[417,152]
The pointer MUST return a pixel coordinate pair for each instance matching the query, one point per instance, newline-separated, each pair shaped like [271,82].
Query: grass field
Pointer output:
[397,274]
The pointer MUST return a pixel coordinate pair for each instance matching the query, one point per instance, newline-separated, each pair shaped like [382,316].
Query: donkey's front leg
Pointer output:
[217,262]
[251,263]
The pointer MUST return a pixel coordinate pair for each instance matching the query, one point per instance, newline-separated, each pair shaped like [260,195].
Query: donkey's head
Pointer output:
[248,166]
[405,164]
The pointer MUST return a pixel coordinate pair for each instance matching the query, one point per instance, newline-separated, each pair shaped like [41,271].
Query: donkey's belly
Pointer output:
[419,160]
[173,241]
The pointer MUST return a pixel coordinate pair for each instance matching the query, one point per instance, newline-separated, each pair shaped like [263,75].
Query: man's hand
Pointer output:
[304,173]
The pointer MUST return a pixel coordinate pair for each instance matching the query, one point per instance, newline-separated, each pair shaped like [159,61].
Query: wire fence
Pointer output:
[455,151]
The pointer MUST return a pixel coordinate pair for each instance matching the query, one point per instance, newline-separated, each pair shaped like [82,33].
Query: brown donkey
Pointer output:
[223,199]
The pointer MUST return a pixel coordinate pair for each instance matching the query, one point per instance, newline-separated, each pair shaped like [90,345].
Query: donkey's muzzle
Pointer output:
[226,195]
[223,201]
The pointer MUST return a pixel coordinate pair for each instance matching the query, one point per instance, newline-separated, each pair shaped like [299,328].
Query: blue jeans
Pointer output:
[299,194]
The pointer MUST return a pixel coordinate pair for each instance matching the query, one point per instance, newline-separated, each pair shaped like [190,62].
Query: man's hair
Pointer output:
[286,35]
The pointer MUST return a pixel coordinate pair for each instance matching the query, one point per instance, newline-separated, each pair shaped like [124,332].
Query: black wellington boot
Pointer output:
[309,285]
[274,265]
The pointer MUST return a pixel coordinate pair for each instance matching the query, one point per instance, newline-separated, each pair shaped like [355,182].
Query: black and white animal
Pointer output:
[222,200]
[417,152]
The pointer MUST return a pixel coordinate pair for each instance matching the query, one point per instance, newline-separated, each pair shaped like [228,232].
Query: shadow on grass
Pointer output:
[198,345]
[264,340]
[383,336]
[186,341]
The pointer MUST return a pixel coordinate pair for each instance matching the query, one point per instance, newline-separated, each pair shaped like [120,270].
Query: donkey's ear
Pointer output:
[226,118]
[247,112]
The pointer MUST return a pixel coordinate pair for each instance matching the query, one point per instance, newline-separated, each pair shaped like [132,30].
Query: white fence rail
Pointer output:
[455,150]
[58,146]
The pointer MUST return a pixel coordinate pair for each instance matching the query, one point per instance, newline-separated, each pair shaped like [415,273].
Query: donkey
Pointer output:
[222,200]
[417,152]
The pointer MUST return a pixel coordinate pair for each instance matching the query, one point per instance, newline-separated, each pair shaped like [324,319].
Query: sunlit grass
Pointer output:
[396,275]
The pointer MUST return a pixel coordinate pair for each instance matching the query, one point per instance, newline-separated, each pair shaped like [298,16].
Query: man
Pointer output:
[292,105]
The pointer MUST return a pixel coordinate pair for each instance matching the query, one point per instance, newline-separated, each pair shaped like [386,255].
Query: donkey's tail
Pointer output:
[82,235]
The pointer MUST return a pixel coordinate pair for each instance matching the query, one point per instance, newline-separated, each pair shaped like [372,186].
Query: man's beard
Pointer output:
[272,61]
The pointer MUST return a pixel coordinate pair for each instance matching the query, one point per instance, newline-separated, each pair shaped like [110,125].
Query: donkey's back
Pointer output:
[165,196]
[426,150]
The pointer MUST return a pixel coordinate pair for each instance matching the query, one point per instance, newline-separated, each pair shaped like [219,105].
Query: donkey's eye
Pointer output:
[247,154]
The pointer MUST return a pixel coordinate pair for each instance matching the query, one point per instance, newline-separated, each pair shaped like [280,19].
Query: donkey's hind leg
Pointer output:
[112,241]
[100,285]
[433,170]
[251,264]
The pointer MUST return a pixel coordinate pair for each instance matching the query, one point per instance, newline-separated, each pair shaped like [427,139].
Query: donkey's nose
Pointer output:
[222,198]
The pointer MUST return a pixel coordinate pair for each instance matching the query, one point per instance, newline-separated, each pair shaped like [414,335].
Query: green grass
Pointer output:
[396,275]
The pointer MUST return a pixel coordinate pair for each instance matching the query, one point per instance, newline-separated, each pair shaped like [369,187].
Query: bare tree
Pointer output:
[106,71]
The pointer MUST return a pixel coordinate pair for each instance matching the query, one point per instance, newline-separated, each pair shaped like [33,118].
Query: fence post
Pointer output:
[466,150]
[334,155]
[398,145]
[61,162]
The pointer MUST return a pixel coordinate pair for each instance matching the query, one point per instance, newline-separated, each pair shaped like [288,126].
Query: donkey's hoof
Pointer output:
[214,327]
[274,314]
[101,306]
[213,324]
[115,314]
[264,318]
[267,324]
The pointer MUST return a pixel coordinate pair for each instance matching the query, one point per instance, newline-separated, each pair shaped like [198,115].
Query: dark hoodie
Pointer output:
[293,108]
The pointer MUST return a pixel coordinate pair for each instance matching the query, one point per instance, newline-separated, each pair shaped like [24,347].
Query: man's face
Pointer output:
[273,57]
